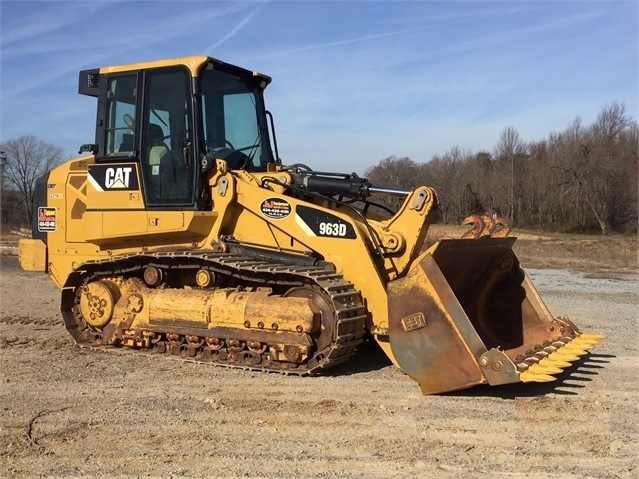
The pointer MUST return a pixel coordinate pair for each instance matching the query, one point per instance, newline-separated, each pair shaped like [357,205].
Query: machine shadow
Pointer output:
[369,357]
[568,383]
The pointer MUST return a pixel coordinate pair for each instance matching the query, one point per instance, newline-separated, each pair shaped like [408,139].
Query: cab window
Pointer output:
[231,120]
[119,130]
[166,138]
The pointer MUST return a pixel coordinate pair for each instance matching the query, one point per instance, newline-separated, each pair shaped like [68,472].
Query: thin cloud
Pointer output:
[347,41]
[354,81]
[123,43]
[41,21]
[235,29]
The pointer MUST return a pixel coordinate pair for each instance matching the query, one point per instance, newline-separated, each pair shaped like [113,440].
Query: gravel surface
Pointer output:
[70,412]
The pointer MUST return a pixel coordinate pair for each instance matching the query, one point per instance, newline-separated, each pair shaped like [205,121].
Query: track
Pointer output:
[343,312]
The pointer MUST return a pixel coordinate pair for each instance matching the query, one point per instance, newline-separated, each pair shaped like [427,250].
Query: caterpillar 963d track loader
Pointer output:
[179,231]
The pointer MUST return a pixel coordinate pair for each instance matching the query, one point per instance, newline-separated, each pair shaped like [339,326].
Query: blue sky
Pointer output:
[353,81]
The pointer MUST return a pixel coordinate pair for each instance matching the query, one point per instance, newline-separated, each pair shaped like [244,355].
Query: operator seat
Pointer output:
[158,149]
[161,167]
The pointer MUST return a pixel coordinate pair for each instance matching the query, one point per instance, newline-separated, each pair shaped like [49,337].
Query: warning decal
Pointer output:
[47,218]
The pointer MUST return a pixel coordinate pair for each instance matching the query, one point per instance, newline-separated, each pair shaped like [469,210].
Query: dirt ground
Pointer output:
[70,412]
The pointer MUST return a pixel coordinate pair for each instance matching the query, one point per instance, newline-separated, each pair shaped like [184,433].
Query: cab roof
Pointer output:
[193,63]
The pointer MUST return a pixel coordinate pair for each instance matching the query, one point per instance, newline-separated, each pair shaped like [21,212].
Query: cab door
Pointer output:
[166,139]
[140,188]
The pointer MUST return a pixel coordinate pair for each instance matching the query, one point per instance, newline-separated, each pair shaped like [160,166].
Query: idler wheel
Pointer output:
[97,302]
[153,276]
[327,322]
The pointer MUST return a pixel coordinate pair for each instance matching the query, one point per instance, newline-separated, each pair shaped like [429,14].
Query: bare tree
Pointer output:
[508,150]
[626,207]
[611,122]
[580,179]
[448,174]
[398,173]
[596,160]
[616,144]
[24,160]
[3,167]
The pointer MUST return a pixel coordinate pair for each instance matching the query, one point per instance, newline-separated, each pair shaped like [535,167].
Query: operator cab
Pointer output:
[174,118]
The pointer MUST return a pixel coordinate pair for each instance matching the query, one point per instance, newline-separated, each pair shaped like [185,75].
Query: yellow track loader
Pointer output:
[180,231]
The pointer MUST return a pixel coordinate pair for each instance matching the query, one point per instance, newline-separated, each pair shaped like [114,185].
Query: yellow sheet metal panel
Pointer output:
[33,255]
[193,63]
[119,226]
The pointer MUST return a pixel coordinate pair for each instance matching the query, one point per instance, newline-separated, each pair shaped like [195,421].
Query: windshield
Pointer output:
[233,120]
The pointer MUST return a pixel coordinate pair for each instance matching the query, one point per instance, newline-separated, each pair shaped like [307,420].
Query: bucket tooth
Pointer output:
[554,361]
[597,337]
[565,356]
[545,369]
[585,342]
[530,377]
[574,349]
[576,344]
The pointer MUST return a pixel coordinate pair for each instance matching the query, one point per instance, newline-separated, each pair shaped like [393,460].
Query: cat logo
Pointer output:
[113,177]
[117,177]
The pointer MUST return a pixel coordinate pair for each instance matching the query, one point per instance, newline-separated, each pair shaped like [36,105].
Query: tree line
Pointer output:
[22,161]
[582,179]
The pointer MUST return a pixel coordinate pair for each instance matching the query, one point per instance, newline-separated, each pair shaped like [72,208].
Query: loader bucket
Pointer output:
[467,314]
